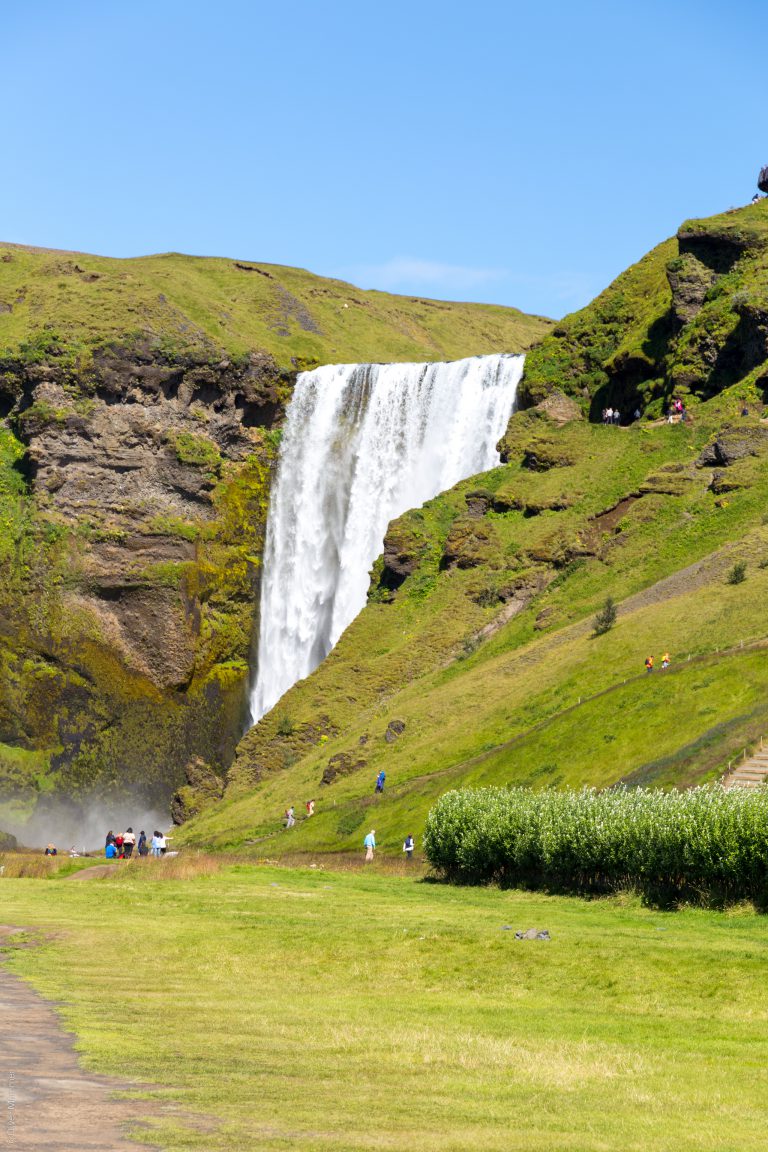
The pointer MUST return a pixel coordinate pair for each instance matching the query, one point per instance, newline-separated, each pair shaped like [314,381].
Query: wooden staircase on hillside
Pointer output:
[749,772]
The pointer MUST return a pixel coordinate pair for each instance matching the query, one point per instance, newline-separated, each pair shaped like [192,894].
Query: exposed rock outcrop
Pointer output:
[202,789]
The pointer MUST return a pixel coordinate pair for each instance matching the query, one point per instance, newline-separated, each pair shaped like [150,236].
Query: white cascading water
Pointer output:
[362,444]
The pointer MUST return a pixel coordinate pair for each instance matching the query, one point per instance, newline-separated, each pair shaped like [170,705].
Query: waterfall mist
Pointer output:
[362,444]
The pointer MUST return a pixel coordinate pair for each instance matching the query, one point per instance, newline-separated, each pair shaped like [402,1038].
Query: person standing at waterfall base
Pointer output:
[370,845]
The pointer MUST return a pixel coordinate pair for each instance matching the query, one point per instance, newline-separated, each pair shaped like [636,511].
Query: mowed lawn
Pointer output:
[317,1009]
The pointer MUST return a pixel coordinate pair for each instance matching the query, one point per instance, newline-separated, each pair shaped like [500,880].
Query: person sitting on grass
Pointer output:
[111,851]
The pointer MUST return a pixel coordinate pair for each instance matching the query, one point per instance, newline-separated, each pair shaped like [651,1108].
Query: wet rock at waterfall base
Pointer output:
[395,728]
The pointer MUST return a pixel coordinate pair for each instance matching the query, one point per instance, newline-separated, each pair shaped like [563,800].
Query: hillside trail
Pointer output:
[47,1101]
[704,571]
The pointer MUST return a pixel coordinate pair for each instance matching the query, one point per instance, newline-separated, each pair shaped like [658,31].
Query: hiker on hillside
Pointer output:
[290,817]
[310,808]
[129,841]
[665,660]
[380,781]
[370,845]
[408,846]
[649,663]
[143,847]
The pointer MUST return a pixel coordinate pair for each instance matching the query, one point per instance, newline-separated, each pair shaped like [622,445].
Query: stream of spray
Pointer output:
[362,444]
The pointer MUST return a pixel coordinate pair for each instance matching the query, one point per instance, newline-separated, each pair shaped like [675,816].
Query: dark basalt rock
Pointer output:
[395,728]
[403,549]
[342,764]
[734,444]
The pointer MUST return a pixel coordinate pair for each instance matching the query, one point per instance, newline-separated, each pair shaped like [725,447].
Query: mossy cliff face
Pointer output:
[134,506]
[689,320]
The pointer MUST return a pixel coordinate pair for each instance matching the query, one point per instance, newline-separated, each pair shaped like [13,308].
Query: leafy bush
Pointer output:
[605,618]
[708,845]
[738,573]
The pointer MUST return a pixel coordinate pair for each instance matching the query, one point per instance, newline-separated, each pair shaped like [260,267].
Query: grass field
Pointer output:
[341,1011]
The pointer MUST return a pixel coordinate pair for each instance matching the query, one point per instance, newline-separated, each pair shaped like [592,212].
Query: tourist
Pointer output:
[649,663]
[408,846]
[609,416]
[665,660]
[163,843]
[143,847]
[370,845]
[129,841]
[310,808]
[290,817]
[616,416]
[119,845]
[110,838]
[111,850]
[156,844]
[51,850]
[380,781]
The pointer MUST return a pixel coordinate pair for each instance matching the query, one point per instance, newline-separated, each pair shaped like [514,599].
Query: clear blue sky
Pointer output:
[517,152]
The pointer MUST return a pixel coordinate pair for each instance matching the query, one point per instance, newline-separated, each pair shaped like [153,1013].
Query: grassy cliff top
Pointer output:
[208,306]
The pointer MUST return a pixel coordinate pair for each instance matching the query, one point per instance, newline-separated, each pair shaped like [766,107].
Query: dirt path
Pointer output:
[47,1101]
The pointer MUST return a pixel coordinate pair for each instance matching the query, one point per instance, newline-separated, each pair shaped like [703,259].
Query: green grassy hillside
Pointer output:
[214,307]
[485,650]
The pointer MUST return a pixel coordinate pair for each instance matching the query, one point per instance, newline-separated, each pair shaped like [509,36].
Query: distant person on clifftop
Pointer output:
[380,781]
[370,845]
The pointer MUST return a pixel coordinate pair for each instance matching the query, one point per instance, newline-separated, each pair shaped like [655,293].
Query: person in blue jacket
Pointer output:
[380,781]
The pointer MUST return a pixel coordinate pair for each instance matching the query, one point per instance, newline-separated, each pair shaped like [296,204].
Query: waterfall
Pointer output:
[362,444]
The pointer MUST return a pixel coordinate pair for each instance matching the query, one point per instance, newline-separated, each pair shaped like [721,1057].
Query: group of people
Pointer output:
[369,843]
[677,411]
[611,416]
[665,662]
[122,845]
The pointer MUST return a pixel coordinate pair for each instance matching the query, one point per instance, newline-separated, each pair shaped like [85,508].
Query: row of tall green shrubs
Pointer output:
[706,845]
